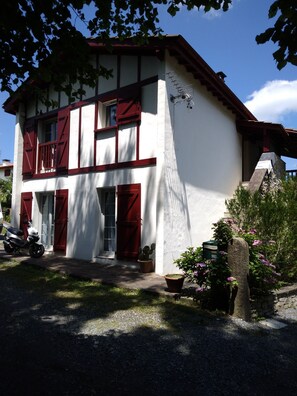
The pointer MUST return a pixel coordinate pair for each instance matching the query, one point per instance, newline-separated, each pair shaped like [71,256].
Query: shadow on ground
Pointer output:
[44,351]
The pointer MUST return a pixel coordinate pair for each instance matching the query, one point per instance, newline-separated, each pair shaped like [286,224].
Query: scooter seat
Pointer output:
[18,242]
[15,231]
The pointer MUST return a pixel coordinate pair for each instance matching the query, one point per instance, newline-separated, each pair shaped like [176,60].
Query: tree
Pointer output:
[283,33]
[5,193]
[41,39]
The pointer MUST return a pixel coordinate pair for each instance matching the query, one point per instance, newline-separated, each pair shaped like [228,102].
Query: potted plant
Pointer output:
[187,263]
[145,260]
[174,282]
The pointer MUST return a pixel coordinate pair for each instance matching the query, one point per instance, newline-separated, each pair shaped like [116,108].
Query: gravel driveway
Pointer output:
[48,348]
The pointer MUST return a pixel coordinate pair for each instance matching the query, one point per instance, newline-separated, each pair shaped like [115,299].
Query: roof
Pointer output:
[6,165]
[285,138]
[177,47]
[185,55]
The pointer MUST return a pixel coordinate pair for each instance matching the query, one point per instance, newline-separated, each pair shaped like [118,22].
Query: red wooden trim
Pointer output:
[46,175]
[26,210]
[97,67]
[61,220]
[95,129]
[139,68]
[106,129]
[29,148]
[63,131]
[128,220]
[110,95]
[99,168]
[119,71]
[137,141]
[266,141]
[117,145]
[128,164]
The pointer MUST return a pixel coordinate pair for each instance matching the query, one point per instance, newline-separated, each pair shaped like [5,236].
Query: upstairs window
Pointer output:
[50,131]
[110,114]
[117,128]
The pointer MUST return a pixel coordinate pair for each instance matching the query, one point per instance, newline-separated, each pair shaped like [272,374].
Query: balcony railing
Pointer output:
[291,173]
[47,157]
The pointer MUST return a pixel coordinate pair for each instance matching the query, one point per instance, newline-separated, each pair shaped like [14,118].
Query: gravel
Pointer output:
[49,347]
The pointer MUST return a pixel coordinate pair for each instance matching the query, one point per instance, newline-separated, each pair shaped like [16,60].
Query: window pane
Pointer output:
[111,113]
[50,131]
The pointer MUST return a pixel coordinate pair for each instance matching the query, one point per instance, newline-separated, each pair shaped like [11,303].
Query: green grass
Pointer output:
[102,299]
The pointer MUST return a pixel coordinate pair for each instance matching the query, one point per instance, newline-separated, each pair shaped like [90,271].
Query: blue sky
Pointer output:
[226,41]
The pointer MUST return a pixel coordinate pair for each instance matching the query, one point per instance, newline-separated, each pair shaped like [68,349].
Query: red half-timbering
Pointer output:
[128,221]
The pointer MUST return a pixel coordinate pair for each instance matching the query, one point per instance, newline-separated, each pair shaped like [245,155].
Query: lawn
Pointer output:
[103,306]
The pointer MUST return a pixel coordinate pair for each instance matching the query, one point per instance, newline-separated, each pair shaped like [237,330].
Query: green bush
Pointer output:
[274,217]
[188,261]
[263,276]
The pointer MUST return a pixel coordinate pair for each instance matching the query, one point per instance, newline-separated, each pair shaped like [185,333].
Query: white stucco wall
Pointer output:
[110,63]
[202,166]
[87,135]
[149,121]
[84,237]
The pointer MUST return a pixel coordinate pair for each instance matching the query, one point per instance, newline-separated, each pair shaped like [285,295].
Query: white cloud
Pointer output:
[213,14]
[275,100]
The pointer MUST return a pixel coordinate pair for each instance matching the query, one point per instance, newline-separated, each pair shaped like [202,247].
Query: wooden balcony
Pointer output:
[47,157]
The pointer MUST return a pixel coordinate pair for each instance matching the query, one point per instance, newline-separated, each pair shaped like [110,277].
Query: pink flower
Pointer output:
[257,242]
[231,279]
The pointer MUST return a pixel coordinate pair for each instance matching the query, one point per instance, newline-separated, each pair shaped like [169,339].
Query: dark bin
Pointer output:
[210,250]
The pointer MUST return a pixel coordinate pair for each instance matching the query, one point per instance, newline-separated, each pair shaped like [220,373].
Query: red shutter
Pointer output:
[29,152]
[128,221]
[61,220]
[129,108]
[26,210]
[63,140]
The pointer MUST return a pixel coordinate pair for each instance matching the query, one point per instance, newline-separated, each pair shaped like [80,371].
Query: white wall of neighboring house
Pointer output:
[6,169]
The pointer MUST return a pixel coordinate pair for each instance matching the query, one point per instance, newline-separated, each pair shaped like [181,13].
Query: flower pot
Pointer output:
[174,282]
[146,266]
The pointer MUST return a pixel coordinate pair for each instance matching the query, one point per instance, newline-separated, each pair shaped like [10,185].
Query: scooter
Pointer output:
[14,240]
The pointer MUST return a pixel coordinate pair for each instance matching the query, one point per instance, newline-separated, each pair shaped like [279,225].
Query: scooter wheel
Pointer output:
[8,249]
[36,251]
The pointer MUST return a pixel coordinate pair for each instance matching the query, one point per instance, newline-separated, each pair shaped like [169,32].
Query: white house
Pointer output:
[149,155]
[6,169]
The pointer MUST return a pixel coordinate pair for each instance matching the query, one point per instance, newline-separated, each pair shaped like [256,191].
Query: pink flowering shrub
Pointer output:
[263,275]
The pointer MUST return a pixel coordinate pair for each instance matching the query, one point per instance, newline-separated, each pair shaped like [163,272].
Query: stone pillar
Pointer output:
[238,260]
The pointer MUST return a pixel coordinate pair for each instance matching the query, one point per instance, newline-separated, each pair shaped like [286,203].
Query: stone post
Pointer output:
[238,260]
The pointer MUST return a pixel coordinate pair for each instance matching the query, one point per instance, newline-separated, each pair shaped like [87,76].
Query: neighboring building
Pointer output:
[6,169]
[149,155]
